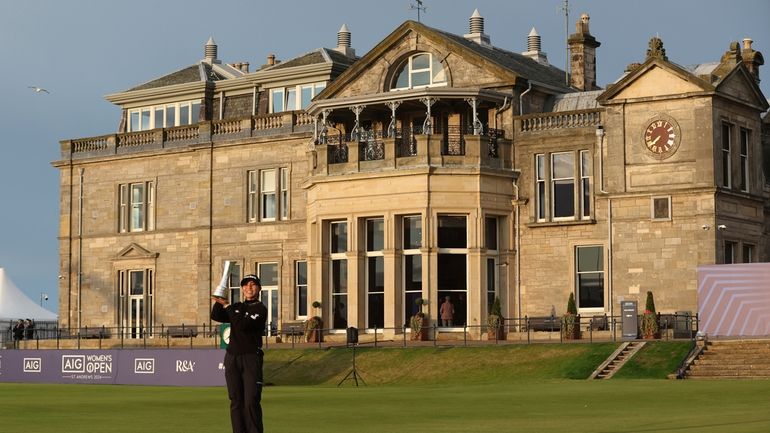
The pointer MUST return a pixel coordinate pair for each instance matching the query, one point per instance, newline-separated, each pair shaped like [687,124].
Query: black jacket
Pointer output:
[247,325]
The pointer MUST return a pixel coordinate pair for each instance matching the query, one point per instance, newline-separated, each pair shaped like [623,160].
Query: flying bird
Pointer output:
[38,89]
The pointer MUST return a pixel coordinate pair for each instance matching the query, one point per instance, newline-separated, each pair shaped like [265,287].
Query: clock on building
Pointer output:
[661,136]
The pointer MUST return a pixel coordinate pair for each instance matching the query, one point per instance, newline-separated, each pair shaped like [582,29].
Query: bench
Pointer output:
[182,331]
[544,323]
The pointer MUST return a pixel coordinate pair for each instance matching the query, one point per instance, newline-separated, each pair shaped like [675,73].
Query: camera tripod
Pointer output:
[353,373]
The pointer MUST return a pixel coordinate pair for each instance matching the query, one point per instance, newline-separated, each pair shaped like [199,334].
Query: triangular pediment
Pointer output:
[468,63]
[740,84]
[655,78]
[135,251]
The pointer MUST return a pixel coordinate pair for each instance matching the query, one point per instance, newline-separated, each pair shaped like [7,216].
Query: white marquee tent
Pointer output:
[14,304]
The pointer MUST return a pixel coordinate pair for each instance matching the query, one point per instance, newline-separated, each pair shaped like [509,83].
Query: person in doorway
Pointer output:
[447,312]
[244,356]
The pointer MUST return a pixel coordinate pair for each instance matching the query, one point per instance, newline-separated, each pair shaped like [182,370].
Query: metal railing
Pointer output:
[527,329]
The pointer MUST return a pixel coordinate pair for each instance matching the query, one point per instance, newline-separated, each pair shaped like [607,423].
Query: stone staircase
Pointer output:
[617,359]
[732,359]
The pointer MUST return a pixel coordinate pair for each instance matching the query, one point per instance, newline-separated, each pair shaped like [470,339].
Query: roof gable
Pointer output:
[656,77]
[740,84]
[492,65]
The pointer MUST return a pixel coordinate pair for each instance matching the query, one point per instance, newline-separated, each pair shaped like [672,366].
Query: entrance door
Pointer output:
[268,276]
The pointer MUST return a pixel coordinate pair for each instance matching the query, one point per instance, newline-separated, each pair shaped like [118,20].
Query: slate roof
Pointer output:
[575,101]
[189,74]
[319,55]
[520,64]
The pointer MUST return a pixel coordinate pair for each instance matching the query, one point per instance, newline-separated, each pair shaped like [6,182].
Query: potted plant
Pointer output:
[649,324]
[495,322]
[314,326]
[419,322]
[571,320]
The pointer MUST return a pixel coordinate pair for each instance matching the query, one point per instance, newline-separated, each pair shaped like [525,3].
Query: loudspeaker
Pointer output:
[352,334]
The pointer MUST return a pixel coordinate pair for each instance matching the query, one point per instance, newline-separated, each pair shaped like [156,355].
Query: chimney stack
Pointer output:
[343,42]
[271,59]
[752,59]
[210,52]
[533,48]
[582,47]
[477,30]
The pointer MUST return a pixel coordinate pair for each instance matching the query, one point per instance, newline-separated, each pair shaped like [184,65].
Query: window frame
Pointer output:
[406,67]
[410,254]
[727,132]
[743,152]
[602,272]
[127,204]
[545,184]
[256,195]
[299,288]
[338,257]
[135,121]
[370,252]
[459,288]
[298,101]
[653,209]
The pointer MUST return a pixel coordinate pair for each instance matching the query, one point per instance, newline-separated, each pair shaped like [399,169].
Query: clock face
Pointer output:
[661,136]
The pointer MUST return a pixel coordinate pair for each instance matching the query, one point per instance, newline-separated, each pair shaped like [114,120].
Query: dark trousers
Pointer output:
[243,374]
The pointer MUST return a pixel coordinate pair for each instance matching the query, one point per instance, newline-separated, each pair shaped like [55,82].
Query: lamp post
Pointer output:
[43,297]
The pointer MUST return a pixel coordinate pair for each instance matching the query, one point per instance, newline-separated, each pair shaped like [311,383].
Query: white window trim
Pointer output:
[552,183]
[410,71]
[589,310]
[368,254]
[297,287]
[315,89]
[155,123]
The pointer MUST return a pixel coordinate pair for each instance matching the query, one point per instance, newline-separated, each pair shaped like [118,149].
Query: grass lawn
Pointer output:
[515,388]
[640,405]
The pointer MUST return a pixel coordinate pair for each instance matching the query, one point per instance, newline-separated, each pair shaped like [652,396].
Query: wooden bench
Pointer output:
[544,323]
[182,331]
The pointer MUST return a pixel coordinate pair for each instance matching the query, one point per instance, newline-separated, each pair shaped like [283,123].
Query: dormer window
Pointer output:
[163,116]
[419,70]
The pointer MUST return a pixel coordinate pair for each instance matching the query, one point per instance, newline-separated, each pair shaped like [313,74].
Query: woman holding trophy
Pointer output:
[243,358]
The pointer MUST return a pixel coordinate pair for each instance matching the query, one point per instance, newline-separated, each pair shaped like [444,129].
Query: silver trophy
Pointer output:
[221,290]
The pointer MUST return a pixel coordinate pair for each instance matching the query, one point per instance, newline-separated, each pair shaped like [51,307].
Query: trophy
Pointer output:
[221,290]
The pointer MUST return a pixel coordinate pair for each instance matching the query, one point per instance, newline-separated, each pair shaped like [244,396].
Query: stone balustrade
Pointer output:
[200,133]
[560,120]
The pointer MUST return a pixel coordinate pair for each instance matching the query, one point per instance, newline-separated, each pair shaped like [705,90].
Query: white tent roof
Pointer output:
[14,304]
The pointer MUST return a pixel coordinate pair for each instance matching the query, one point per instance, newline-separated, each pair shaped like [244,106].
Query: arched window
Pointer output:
[419,70]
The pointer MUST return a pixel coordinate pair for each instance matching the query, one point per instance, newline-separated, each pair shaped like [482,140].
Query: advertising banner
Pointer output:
[184,367]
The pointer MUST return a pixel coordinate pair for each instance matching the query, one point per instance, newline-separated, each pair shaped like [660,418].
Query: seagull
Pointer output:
[38,89]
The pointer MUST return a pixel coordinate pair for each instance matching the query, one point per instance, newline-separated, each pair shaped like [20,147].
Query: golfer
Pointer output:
[243,359]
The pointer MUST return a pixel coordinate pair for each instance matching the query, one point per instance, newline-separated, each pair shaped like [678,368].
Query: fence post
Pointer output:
[526,323]
[465,334]
[375,336]
[403,333]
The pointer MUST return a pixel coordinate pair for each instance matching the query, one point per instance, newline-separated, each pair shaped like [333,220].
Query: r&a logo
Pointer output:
[185,366]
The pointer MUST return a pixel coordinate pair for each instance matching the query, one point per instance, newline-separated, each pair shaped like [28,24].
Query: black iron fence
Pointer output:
[527,329]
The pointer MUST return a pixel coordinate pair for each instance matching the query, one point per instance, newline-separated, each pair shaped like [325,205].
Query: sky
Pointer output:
[82,50]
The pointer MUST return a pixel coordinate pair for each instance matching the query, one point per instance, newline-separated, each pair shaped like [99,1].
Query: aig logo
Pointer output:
[73,364]
[32,365]
[144,365]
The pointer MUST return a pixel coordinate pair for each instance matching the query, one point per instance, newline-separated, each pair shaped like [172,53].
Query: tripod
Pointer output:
[353,372]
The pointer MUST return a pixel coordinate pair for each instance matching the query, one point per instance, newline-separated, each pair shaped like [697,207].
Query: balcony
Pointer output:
[373,150]
[181,136]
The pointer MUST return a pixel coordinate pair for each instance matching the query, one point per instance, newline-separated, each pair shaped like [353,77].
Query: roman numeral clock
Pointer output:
[661,136]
